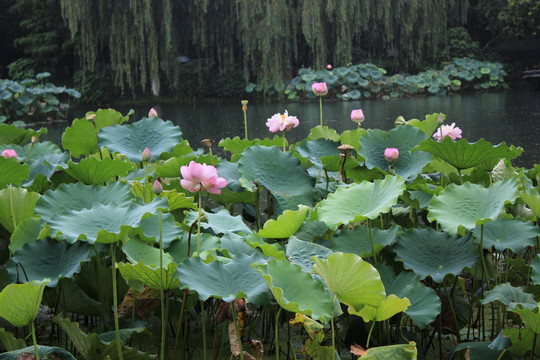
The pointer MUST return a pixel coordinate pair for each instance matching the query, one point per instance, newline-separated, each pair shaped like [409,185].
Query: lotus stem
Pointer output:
[484,267]
[320,109]
[12,208]
[35,341]
[502,354]
[257,210]
[199,225]
[451,303]
[369,334]
[115,304]
[372,242]
[333,329]
[161,292]
[233,310]
[203,319]
[284,141]
[245,125]
[534,346]
[179,328]
[276,333]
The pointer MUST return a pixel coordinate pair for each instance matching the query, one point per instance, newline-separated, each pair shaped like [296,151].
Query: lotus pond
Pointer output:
[361,243]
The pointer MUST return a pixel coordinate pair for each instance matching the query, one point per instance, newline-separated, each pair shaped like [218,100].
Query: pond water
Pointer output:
[510,116]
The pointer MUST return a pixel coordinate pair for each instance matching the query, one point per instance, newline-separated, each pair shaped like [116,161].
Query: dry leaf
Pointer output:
[357,350]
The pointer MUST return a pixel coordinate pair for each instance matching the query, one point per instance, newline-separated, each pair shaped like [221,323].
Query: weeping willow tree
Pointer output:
[267,40]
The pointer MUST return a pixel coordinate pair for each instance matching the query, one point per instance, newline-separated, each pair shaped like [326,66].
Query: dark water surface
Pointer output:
[511,116]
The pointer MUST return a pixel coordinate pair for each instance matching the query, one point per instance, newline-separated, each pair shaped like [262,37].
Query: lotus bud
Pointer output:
[146,155]
[34,140]
[329,66]
[319,89]
[9,153]
[391,154]
[152,113]
[440,119]
[357,116]
[400,120]
[157,188]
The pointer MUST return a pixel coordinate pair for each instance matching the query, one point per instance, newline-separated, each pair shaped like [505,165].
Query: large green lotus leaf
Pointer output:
[232,244]
[19,303]
[178,200]
[352,137]
[480,351]
[530,317]
[362,201]
[404,138]
[511,234]
[429,124]
[387,308]
[431,253]
[273,250]
[78,196]
[223,223]
[236,146]
[91,346]
[137,251]
[75,300]
[80,138]
[297,291]
[9,341]
[276,171]
[229,171]
[153,133]
[535,274]
[357,240]
[323,132]
[102,223]
[150,276]
[108,117]
[462,154]
[16,205]
[11,134]
[13,172]
[43,351]
[45,159]
[354,281]
[286,225]
[508,295]
[231,281]
[402,352]
[92,171]
[48,259]
[300,252]
[532,199]
[169,230]
[470,205]
[314,150]
[425,303]
[523,341]
[311,230]
[26,233]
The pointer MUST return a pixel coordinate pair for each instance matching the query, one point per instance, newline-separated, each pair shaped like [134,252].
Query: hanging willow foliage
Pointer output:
[266,39]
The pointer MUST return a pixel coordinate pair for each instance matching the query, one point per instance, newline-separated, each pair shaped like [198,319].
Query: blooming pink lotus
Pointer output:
[357,116]
[201,176]
[391,154]
[152,113]
[8,153]
[447,130]
[319,89]
[282,122]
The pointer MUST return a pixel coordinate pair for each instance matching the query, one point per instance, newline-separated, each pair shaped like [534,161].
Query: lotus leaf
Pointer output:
[16,205]
[523,340]
[43,351]
[80,138]
[354,281]
[92,171]
[404,138]
[138,251]
[431,253]
[362,201]
[228,282]
[229,171]
[26,233]
[169,230]
[296,291]
[532,199]
[301,252]
[236,146]
[387,308]
[509,296]
[401,351]
[19,303]
[505,234]
[179,248]
[75,300]
[13,172]
[429,124]
[150,276]
[153,133]
[323,132]
[11,134]
[480,351]
[535,265]
[357,240]
[45,158]
[266,166]
[470,205]
[48,259]
[314,150]
[530,317]
[286,225]
[223,223]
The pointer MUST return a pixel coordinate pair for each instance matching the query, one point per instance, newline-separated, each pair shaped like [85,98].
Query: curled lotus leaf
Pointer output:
[286,225]
[19,303]
[387,308]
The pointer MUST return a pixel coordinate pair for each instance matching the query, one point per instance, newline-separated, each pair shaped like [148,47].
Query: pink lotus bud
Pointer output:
[152,113]
[8,153]
[391,154]
[440,119]
[357,116]
[329,66]
[157,188]
[146,155]
[319,89]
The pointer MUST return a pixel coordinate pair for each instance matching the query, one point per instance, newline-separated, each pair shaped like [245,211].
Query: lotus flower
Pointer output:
[391,154]
[152,113]
[319,89]
[282,122]
[8,153]
[357,116]
[201,176]
[447,130]
[157,188]
[329,66]
[146,155]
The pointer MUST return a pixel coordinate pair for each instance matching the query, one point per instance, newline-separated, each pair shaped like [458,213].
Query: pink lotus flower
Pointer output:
[319,89]
[152,113]
[357,116]
[146,155]
[391,154]
[201,176]
[157,188]
[329,66]
[282,122]
[8,153]
[447,130]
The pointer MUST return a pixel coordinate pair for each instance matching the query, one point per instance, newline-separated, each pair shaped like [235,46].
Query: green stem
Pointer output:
[179,328]
[276,333]
[534,346]
[502,354]
[146,182]
[484,267]
[199,225]
[284,141]
[245,126]
[115,304]
[369,334]
[35,341]
[257,210]
[233,310]
[333,330]
[161,292]
[372,242]
[12,208]
[320,108]
[451,303]
[203,329]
